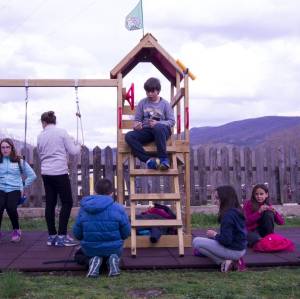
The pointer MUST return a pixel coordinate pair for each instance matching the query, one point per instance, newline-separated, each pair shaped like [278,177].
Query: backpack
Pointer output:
[274,242]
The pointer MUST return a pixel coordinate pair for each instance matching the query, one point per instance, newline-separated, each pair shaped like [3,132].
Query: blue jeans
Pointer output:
[159,134]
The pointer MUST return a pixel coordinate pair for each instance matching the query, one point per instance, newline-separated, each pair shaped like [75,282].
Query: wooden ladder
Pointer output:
[170,197]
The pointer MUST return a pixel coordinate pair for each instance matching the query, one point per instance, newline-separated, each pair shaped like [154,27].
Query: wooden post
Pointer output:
[36,196]
[202,174]
[73,170]
[85,171]
[237,175]
[120,173]
[96,164]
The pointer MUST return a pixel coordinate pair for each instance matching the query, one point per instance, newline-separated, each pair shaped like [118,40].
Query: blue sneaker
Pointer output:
[94,266]
[164,164]
[51,240]
[151,164]
[113,265]
[62,241]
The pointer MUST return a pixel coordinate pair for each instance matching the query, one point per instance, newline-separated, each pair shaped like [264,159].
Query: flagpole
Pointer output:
[142,17]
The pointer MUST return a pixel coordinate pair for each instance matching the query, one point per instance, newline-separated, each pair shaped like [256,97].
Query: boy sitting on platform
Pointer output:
[154,119]
[102,226]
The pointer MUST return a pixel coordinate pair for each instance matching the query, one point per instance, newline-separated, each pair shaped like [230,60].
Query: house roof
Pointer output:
[148,50]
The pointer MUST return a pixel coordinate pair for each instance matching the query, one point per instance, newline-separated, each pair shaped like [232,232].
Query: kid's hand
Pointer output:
[137,125]
[263,208]
[152,122]
[211,233]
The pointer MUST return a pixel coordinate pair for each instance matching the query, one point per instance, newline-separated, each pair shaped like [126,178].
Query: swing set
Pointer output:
[147,50]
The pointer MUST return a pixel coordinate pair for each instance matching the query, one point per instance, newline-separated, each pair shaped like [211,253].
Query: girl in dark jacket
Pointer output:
[227,247]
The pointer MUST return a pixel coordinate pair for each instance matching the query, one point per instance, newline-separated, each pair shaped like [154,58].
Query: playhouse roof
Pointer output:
[148,50]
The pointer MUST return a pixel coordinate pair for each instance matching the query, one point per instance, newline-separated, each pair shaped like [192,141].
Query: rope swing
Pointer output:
[78,114]
[26,114]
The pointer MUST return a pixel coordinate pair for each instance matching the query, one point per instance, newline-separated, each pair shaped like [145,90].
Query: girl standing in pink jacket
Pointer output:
[260,215]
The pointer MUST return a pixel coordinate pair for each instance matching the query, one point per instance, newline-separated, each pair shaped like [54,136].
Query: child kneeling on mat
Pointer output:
[102,226]
[227,247]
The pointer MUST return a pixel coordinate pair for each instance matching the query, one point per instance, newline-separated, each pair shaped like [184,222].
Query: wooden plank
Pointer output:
[85,171]
[213,167]
[73,170]
[294,187]
[259,166]
[202,175]
[108,163]
[155,196]
[248,171]
[37,186]
[164,241]
[194,196]
[271,173]
[59,82]
[155,223]
[180,148]
[281,173]
[127,124]
[149,172]
[126,110]
[96,164]
[178,96]
[225,166]
[236,171]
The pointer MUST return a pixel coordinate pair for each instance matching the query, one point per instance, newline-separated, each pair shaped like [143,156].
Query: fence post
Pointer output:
[37,186]
[85,171]
[193,172]
[294,187]
[73,170]
[108,163]
[237,171]
[248,171]
[225,165]
[202,175]
[96,165]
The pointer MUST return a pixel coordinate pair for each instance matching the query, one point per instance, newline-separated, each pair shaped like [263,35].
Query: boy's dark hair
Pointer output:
[228,200]
[255,204]
[152,84]
[48,117]
[104,187]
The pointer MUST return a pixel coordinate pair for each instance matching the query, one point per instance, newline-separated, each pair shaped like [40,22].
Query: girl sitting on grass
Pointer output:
[227,247]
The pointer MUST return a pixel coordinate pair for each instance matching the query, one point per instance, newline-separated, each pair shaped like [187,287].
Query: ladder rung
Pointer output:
[154,196]
[153,148]
[148,172]
[155,222]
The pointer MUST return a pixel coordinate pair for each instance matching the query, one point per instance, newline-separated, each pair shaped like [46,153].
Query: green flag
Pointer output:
[134,20]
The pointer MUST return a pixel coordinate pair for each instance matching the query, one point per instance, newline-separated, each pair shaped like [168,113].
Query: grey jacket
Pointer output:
[160,111]
[53,146]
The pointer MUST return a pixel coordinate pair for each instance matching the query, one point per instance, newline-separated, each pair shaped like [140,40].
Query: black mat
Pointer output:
[31,253]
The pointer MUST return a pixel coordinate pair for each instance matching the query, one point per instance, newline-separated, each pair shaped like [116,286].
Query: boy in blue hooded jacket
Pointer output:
[102,225]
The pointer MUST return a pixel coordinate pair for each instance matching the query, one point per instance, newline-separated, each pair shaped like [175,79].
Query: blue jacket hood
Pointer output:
[95,204]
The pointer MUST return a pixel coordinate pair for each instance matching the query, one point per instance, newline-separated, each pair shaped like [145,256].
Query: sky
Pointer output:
[245,55]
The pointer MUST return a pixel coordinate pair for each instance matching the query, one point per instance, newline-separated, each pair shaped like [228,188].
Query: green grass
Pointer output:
[277,283]
[199,220]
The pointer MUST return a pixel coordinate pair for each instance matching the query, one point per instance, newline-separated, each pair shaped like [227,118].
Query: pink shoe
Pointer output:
[240,265]
[16,235]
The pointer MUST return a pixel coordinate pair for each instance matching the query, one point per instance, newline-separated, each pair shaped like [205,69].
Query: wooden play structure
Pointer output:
[147,50]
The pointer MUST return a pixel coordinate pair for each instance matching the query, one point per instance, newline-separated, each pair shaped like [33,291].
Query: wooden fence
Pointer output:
[210,167]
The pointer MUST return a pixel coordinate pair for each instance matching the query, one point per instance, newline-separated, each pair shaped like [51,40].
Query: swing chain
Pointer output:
[78,114]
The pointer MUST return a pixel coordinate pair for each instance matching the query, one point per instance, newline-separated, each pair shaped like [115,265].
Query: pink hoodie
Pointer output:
[252,217]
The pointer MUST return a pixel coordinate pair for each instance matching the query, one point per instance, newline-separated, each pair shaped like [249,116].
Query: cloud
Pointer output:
[245,55]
